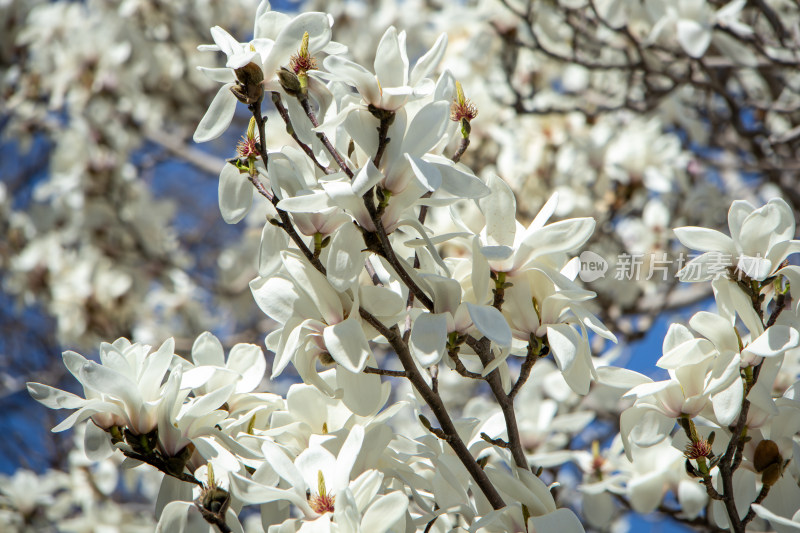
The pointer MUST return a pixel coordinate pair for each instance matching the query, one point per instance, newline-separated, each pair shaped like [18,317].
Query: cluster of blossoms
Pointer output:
[360,204]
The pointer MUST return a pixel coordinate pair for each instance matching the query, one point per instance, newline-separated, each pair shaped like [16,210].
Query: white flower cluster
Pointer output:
[361,204]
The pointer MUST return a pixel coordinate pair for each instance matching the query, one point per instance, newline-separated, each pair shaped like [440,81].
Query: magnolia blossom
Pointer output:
[276,36]
[761,239]
[123,390]
[392,85]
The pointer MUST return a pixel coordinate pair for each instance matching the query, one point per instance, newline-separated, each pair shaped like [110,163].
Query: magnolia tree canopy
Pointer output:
[446,225]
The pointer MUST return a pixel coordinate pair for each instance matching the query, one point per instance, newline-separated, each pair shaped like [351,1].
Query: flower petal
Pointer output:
[347,344]
[429,338]
[218,117]
[235,194]
[491,323]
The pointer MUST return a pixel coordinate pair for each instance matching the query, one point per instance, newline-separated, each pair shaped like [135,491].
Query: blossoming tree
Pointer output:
[457,367]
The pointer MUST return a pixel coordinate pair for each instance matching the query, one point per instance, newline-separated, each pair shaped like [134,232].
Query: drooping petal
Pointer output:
[563,343]
[491,323]
[273,240]
[218,117]
[727,403]
[347,344]
[345,258]
[235,194]
[428,338]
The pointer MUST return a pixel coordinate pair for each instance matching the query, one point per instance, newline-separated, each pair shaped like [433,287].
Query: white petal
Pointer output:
[364,80]
[347,345]
[692,497]
[564,345]
[345,258]
[315,286]
[774,341]
[427,63]
[620,378]
[727,403]
[367,178]
[391,62]
[218,117]
[559,237]
[385,513]
[429,338]
[306,203]
[248,360]
[273,240]
[364,394]
[499,208]
[781,524]
[220,75]
[704,239]
[207,350]
[427,174]
[491,323]
[426,128]
[381,301]
[688,353]
[235,194]
[96,443]
[693,37]
[279,298]
[738,212]
[561,520]
[110,382]
[646,491]
[172,490]
[458,180]
[54,398]
[716,329]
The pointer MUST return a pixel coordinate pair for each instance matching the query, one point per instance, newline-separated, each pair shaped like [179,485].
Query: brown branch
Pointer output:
[304,101]
[276,99]
[384,372]
[448,429]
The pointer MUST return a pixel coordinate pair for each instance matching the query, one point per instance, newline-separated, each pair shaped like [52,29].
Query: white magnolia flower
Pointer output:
[123,390]
[315,478]
[536,308]
[317,321]
[276,36]
[761,239]
[509,247]
[391,86]
[692,23]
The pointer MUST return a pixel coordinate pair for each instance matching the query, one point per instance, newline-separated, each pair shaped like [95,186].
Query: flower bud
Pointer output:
[772,474]
[249,88]
[216,500]
[290,82]
[766,455]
